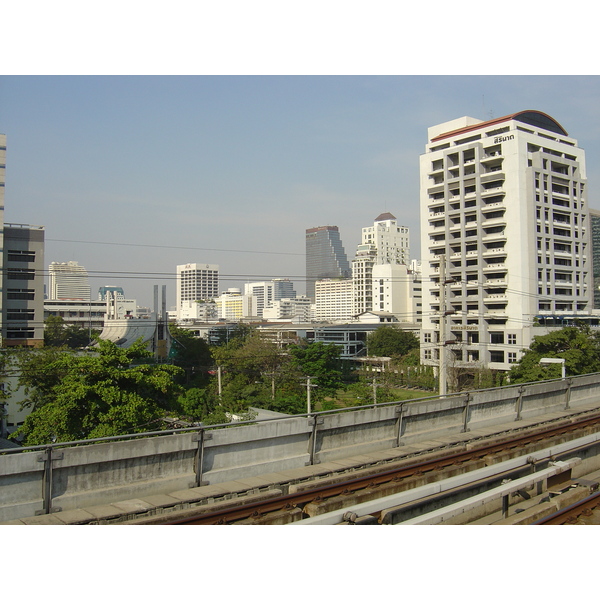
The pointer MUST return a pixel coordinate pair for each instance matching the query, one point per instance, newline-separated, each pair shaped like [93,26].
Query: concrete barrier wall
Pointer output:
[110,471]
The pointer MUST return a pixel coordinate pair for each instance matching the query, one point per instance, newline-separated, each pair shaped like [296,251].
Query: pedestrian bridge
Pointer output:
[42,480]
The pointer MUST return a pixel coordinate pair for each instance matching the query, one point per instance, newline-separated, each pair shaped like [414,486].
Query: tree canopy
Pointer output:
[391,341]
[96,394]
[57,333]
[578,346]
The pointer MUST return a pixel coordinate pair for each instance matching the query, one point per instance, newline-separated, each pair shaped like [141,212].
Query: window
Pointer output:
[427,338]
[512,357]
[496,356]
[26,274]
[497,337]
[21,255]
[512,338]
[20,294]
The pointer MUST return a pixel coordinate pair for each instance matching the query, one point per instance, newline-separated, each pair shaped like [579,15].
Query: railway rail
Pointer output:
[579,513]
[388,480]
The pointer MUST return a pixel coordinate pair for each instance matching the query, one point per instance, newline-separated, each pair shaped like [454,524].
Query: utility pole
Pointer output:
[219,383]
[375,386]
[442,375]
[308,386]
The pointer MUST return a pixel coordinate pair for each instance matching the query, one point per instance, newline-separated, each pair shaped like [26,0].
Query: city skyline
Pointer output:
[131,176]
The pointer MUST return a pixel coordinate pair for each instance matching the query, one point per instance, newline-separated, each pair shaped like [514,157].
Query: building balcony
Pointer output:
[495,267]
[495,282]
[486,193]
[495,298]
[492,206]
[494,252]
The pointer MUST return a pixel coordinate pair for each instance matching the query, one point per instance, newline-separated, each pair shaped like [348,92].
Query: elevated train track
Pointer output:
[308,499]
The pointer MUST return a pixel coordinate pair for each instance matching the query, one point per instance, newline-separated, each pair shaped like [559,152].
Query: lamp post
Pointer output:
[553,361]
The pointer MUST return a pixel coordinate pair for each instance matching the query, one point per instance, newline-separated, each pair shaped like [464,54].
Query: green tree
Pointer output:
[321,362]
[248,365]
[58,334]
[578,346]
[391,341]
[192,354]
[110,391]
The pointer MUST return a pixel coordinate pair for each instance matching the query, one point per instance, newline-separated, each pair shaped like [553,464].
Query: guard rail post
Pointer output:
[466,413]
[199,456]
[519,404]
[568,394]
[312,442]
[47,459]
[398,425]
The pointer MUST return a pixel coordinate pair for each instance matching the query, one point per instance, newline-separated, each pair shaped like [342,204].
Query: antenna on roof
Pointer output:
[488,114]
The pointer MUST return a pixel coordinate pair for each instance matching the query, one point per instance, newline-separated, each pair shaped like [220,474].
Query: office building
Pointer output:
[390,240]
[232,306]
[595,241]
[2,184]
[196,282]
[267,292]
[296,309]
[23,286]
[334,299]
[505,236]
[68,281]
[325,257]
[382,278]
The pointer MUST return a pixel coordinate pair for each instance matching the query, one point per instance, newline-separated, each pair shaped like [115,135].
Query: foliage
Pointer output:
[321,362]
[578,346]
[95,394]
[248,364]
[391,341]
[192,354]
[57,333]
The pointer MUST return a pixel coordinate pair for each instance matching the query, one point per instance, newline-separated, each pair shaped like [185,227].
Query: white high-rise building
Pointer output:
[505,236]
[334,299]
[382,280]
[390,240]
[195,281]
[68,281]
[231,305]
[297,309]
[266,292]
[2,184]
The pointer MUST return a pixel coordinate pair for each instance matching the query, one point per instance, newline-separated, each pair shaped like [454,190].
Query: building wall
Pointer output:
[89,314]
[504,214]
[595,241]
[23,286]
[2,184]
[334,299]
[267,292]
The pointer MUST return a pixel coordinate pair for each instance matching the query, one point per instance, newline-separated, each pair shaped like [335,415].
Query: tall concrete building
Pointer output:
[267,292]
[380,272]
[325,257]
[23,286]
[68,281]
[2,184]
[505,236]
[595,227]
[196,281]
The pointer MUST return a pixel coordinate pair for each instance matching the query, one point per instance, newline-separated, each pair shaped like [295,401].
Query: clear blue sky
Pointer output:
[136,174]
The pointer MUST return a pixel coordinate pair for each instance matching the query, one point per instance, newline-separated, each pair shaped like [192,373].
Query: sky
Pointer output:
[133,175]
